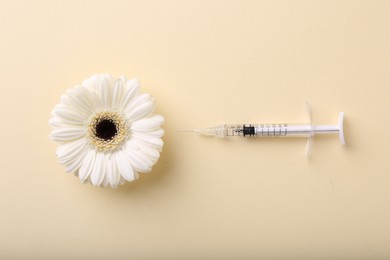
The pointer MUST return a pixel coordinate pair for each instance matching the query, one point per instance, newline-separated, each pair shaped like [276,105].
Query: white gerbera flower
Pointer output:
[107,131]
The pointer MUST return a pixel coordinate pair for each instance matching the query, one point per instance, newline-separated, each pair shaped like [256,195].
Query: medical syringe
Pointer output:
[276,130]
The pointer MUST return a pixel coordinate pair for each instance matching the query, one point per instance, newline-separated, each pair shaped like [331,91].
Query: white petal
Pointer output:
[116,175]
[105,181]
[90,85]
[137,101]
[113,176]
[69,102]
[104,88]
[123,180]
[141,111]
[87,166]
[151,152]
[68,115]
[147,124]
[124,166]
[91,82]
[67,133]
[156,143]
[139,160]
[131,90]
[67,152]
[81,98]
[101,85]
[56,122]
[153,134]
[117,92]
[99,169]
[76,164]
[109,171]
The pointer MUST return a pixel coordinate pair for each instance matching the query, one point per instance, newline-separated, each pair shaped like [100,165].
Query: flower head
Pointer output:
[107,131]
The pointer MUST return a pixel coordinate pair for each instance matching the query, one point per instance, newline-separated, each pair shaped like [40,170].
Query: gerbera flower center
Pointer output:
[107,131]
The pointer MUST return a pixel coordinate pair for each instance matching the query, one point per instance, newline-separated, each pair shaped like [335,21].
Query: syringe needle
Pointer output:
[185,131]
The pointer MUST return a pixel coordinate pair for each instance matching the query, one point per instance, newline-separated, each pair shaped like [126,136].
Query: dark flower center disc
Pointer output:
[106,129]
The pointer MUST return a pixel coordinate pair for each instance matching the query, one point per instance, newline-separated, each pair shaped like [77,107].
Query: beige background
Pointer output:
[206,62]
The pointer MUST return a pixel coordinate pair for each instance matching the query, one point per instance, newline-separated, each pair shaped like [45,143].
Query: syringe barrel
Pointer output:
[298,130]
[264,130]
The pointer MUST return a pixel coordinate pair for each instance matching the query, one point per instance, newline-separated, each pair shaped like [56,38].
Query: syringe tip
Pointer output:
[211,131]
